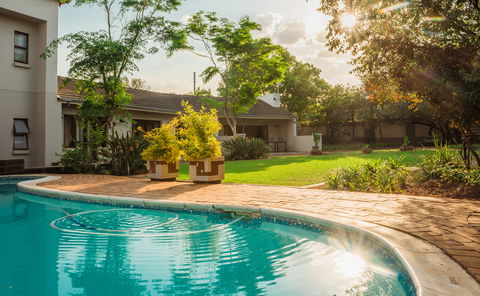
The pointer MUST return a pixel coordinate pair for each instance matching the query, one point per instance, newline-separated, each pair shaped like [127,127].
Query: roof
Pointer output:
[170,103]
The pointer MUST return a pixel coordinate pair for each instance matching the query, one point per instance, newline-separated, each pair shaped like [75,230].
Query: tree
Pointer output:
[246,66]
[426,50]
[135,83]
[99,60]
[329,110]
[301,86]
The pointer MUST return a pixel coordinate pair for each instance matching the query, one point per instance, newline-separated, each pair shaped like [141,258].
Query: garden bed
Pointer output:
[442,189]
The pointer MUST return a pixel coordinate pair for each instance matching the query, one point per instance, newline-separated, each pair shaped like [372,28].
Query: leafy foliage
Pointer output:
[196,131]
[99,60]
[419,51]
[446,165]
[241,148]
[381,176]
[163,144]
[301,87]
[335,107]
[135,83]
[125,154]
[245,65]
[77,161]
[317,137]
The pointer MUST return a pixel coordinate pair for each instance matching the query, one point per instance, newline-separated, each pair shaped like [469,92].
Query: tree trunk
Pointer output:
[232,122]
[468,151]
[233,127]
[380,130]
[353,127]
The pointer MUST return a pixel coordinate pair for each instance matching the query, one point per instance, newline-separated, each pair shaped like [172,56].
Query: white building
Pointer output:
[30,115]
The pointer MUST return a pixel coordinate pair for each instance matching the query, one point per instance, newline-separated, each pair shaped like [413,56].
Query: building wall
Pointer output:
[272,99]
[390,132]
[277,128]
[30,92]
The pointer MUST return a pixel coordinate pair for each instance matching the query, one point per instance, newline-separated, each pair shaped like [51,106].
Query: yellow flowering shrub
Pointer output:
[163,144]
[196,131]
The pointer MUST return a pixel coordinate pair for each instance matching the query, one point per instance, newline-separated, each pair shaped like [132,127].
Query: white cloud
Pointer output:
[268,21]
[321,37]
[290,33]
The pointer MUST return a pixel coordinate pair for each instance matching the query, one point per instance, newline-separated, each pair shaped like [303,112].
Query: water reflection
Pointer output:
[256,257]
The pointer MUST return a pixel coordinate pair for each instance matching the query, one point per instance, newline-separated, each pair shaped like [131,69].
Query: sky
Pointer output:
[294,24]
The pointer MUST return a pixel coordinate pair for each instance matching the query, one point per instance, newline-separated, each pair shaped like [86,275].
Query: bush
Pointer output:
[380,176]
[196,131]
[244,148]
[406,145]
[163,144]
[124,152]
[77,161]
[446,165]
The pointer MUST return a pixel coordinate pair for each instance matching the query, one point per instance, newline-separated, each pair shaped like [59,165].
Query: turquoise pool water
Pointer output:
[56,247]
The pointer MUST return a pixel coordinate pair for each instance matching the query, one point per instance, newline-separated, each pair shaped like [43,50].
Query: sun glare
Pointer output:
[348,20]
[351,265]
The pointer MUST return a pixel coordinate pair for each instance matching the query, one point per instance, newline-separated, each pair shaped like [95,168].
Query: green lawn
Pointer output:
[303,170]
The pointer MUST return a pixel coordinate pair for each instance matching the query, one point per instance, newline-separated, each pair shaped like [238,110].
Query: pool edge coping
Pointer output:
[449,277]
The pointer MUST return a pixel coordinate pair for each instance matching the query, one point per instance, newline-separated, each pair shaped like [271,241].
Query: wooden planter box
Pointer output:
[209,170]
[162,171]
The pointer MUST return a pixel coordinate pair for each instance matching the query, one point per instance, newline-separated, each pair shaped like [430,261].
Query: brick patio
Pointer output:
[450,224]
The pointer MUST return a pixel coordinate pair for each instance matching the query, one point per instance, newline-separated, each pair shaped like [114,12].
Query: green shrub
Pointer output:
[124,152]
[446,165]
[381,176]
[163,144]
[244,148]
[77,161]
[317,138]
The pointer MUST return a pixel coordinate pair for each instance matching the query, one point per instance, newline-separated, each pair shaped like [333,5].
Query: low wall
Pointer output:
[302,144]
[294,143]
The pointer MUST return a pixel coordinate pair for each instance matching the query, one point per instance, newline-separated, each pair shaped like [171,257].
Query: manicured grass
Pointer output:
[303,170]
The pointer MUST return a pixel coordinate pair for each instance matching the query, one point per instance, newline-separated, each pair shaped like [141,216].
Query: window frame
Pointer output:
[143,123]
[15,46]
[15,134]
[73,128]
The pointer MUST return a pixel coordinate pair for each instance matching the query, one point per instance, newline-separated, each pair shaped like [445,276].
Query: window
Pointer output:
[146,125]
[20,134]
[69,131]
[21,48]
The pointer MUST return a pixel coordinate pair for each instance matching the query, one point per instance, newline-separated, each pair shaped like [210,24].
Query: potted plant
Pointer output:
[196,131]
[366,149]
[406,145]
[162,153]
[317,139]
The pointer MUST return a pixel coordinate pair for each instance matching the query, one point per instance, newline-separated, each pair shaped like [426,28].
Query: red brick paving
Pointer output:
[450,224]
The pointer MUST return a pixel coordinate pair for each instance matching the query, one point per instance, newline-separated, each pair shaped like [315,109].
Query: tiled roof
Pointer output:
[171,103]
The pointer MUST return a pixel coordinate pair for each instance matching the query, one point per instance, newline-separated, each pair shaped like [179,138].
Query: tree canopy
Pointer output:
[99,60]
[246,66]
[300,87]
[419,51]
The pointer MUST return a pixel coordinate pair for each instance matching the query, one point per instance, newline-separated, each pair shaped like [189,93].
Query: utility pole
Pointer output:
[194,82]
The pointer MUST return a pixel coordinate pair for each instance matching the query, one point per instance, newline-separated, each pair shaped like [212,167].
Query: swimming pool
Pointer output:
[56,247]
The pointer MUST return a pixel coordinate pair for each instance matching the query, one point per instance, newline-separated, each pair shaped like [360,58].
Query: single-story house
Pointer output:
[266,120]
